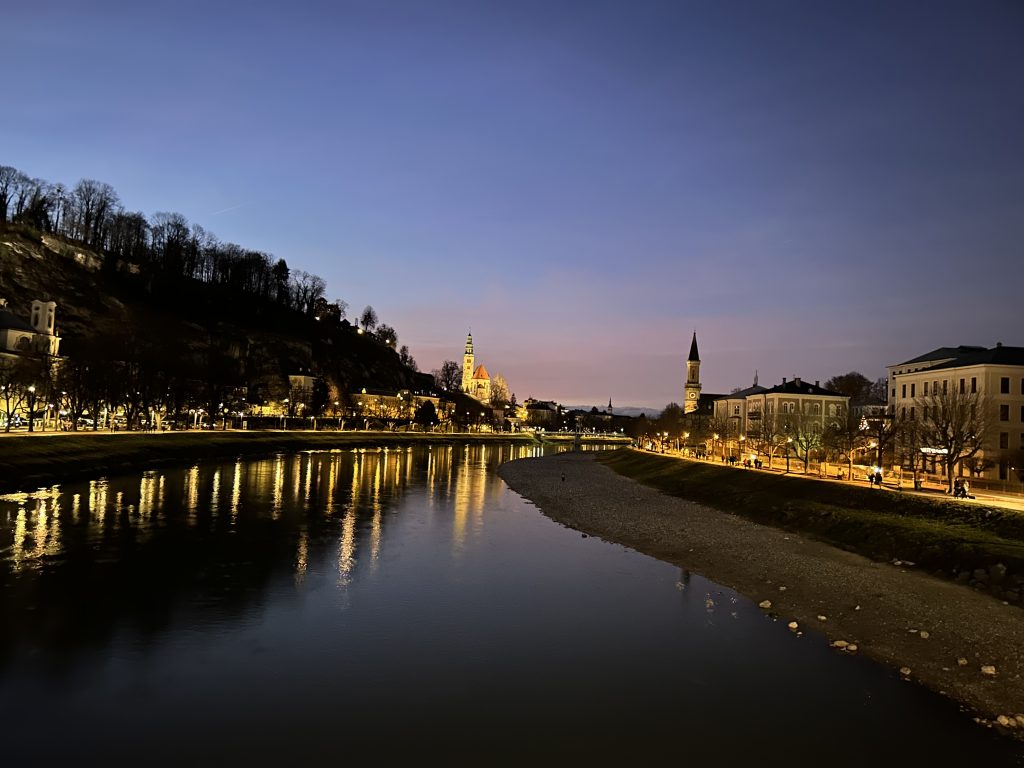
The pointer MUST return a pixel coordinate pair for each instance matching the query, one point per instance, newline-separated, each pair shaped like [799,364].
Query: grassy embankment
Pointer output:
[953,537]
[30,461]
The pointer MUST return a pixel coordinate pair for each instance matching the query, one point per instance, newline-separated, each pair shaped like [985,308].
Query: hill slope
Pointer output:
[103,307]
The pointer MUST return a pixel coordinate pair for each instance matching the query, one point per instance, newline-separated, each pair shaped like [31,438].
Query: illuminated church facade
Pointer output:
[476,382]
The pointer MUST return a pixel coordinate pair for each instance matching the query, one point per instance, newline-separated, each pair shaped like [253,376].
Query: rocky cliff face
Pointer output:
[98,305]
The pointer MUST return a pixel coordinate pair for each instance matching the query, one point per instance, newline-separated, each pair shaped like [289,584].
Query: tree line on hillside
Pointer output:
[165,247]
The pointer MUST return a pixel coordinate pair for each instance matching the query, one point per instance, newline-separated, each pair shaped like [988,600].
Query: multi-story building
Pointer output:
[22,337]
[994,377]
[788,403]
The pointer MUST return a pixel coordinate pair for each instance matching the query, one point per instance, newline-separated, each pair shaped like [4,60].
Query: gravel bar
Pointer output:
[961,643]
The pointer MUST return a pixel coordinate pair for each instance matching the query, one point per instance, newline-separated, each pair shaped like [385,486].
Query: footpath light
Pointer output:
[31,405]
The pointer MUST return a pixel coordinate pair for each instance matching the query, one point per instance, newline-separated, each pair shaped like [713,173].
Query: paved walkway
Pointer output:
[981,497]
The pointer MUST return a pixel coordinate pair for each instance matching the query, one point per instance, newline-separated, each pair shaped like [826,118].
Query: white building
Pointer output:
[25,337]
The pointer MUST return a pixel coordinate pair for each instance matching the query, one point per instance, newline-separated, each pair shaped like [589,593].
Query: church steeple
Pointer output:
[692,387]
[467,364]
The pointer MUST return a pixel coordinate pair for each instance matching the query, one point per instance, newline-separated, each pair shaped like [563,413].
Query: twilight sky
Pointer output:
[814,187]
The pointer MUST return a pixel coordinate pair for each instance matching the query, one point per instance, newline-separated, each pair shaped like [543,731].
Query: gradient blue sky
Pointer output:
[814,187]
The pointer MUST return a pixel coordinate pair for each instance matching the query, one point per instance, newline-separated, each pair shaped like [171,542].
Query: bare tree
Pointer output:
[13,388]
[804,431]
[854,385]
[954,422]
[846,436]
[499,390]
[449,376]
[10,179]
[368,319]
[407,359]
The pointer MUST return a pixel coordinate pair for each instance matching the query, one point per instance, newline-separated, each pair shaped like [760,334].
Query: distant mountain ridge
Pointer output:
[625,410]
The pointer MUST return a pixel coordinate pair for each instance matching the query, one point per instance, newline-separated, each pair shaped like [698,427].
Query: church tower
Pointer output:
[692,388]
[467,365]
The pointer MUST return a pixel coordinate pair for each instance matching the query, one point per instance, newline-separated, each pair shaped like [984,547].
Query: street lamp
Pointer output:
[31,405]
[788,441]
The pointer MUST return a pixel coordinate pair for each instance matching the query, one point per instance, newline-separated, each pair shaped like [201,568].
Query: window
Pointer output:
[1004,440]
[911,413]
[974,384]
[816,409]
[962,390]
[1022,441]
[1004,385]
[925,414]
[913,388]
[926,388]
[945,387]
[903,412]
[1022,414]
[832,410]
[735,410]
[1004,413]
[894,389]
[904,391]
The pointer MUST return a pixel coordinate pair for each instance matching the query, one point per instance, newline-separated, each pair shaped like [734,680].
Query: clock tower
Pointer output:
[692,388]
[467,365]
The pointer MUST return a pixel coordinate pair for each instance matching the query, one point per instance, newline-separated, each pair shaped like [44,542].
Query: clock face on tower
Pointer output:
[692,395]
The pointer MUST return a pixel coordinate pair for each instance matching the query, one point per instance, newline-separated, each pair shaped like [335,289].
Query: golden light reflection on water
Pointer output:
[192,492]
[147,493]
[36,529]
[357,485]
[215,491]
[347,549]
[278,495]
[236,490]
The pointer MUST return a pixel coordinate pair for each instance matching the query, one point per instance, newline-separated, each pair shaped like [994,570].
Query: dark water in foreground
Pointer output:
[358,605]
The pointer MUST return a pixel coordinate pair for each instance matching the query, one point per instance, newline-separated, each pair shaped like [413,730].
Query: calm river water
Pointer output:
[310,608]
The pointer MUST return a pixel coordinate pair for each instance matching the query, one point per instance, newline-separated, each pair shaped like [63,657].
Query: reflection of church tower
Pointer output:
[467,364]
[692,388]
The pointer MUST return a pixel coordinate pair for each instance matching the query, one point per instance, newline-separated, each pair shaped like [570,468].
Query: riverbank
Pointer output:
[30,461]
[975,544]
[959,642]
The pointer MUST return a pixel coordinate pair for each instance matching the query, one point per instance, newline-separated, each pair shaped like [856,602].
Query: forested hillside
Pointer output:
[177,306]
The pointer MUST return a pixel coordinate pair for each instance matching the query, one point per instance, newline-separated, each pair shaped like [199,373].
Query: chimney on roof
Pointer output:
[797,380]
[783,379]
[817,382]
[999,343]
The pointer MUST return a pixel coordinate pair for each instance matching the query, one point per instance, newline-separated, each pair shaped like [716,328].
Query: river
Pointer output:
[303,609]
